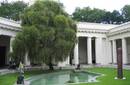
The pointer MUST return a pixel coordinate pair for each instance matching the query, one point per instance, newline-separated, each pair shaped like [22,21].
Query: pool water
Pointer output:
[63,78]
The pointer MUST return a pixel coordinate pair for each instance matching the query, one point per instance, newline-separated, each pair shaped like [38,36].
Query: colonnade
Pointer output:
[98,50]
[124,50]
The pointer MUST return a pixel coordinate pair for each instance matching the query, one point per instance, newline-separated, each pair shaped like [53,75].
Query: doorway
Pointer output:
[2,56]
[93,51]
[83,50]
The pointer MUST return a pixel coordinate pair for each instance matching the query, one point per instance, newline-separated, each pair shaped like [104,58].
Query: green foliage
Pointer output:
[48,33]
[126,12]
[89,15]
[97,15]
[12,10]
[61,21]
[23,43]
[18,49]
[113,17]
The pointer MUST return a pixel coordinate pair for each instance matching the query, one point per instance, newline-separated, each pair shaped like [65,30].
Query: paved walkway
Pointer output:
[6,71]
[109,66]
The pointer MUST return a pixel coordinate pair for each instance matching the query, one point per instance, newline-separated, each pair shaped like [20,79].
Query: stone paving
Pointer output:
[109,66]
[6,71]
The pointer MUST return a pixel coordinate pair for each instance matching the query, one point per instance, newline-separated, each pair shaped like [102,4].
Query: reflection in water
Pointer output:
[62,78]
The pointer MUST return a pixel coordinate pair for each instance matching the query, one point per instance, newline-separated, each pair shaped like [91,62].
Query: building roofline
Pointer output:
[100,26]
[121,25]
[98,23]
[10,22]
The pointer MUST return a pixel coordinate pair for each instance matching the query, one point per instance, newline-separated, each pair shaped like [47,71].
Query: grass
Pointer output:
[107,79]
[10,79]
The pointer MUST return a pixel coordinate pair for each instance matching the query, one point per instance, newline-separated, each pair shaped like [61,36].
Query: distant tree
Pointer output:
[48,34]
[12,10]
[88,15]
[107,17]
[97,15]
[113,17]
[126,12]
[116,17]
[78,15]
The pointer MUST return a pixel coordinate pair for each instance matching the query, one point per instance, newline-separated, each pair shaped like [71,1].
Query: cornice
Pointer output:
[9,20]
[93,31]
[119,30]
[16,30]
[7,24]
[118,33]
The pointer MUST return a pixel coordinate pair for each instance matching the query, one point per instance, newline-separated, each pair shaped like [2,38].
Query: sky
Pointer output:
[108,5]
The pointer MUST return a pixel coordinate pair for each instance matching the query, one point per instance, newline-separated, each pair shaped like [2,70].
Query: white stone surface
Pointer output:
[76,54]
[64,63]
[27,61]
[114,52]
[87,25]
[89,49]
[11,41]
[124,51]
[99,52]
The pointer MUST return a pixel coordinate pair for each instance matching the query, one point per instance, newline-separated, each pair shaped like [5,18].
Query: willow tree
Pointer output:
[48,33]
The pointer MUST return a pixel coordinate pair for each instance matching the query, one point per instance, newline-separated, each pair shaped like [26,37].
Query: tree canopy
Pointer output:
[48,33]
[126,12]
[12,10]
[87,14]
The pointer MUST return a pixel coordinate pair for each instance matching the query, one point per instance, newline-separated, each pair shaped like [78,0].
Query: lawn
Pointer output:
[10,79]
[107,79]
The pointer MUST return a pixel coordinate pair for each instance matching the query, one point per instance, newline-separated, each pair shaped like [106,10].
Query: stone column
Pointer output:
[65,62]
[68,60]
[11,41]
[26,60]
[114,51]
[89,49]
[110,52]
[98,50]
[124,51]
[10,50]
[76,54]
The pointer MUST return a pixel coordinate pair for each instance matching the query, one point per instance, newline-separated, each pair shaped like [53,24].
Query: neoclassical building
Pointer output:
[97,43]
[8,31]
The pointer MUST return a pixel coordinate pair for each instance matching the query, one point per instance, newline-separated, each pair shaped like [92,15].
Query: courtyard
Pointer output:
[42,44]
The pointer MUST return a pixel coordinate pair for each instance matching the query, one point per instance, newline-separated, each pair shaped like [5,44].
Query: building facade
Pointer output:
[8,31]
[97,43]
